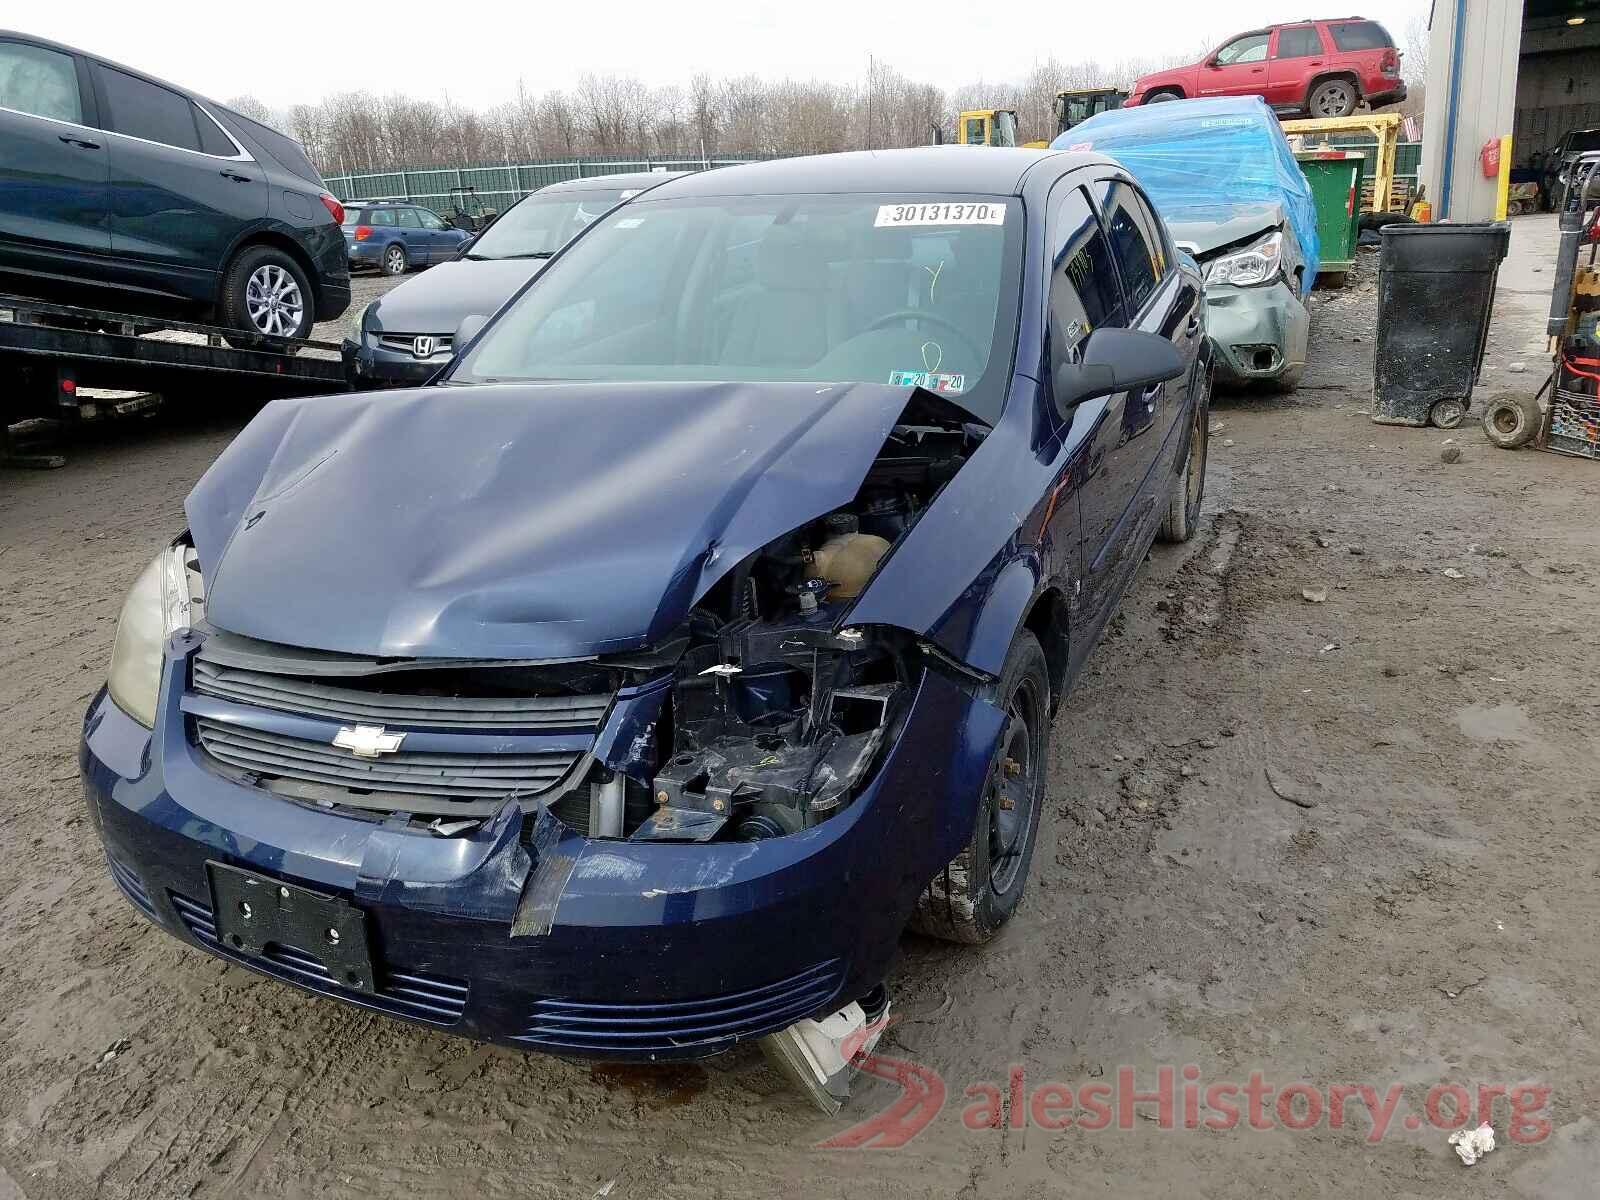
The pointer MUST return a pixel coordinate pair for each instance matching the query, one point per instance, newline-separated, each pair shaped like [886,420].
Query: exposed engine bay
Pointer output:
[776,717]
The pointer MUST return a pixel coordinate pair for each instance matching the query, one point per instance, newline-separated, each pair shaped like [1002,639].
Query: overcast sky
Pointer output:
[227,47]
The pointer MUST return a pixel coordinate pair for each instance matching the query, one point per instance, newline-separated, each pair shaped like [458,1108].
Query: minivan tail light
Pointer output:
[363,232]
[335,209]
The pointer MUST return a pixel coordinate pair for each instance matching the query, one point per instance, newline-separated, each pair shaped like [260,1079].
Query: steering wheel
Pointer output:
[932,318]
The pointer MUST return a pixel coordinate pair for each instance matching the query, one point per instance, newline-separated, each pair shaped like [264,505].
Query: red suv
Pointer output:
[1318,68]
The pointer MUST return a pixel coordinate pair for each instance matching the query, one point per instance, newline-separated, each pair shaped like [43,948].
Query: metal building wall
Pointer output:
[1485,101]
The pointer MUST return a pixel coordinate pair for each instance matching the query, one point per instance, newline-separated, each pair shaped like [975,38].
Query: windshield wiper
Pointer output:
[532,254]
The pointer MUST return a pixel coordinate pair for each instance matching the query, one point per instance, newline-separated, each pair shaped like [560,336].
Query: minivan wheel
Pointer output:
[1189,489]
[1334,98]
[266,292]
[977,893]
[394,260]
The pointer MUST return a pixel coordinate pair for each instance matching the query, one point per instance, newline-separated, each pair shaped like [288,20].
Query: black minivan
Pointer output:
[119,190]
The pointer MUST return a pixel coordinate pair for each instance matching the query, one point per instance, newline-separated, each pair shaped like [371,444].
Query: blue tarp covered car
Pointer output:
[1224,178]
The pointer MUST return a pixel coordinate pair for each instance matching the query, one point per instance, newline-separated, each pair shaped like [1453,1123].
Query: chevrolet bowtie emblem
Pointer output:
[422,347]
[367,741]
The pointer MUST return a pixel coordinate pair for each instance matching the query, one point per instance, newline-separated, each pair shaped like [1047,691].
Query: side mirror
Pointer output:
[1115,360]
[468,329]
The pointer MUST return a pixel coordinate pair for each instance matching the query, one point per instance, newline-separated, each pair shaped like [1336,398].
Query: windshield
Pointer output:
[825,289]
[537,228]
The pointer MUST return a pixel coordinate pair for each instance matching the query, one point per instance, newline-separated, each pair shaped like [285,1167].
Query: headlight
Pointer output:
[157,606]
[1257,264]
[357,321]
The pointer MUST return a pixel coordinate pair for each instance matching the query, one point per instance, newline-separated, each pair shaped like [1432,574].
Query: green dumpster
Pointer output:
[1335,179]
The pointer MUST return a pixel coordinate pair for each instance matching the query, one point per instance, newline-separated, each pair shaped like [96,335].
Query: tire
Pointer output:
[264,291]
[1162,97]
[1189,488]
[394,260]
[1333,98]
[1447,413]
[1510,420]
[977,893]
[1288,381]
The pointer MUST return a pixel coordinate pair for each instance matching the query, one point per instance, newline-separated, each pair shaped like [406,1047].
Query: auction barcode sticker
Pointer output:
[984,212]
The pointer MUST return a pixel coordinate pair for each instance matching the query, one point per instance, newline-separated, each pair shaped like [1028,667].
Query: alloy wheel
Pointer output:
[394,260]
[1334,100]
[274,301]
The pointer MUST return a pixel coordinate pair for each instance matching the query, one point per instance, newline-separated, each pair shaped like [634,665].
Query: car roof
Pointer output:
[111,62]
[993,170]
[624,181]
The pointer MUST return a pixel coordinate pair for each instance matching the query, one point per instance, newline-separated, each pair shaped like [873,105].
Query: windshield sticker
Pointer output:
[630,222]
[958,213]
[630,194]
[934,381]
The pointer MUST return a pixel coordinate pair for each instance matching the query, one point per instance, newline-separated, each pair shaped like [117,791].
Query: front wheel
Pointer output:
[981,887]
[1189,489]
[266,292]
[1161,97]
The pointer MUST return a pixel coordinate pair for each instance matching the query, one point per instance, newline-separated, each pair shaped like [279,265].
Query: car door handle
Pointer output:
[235,176]
[79,142]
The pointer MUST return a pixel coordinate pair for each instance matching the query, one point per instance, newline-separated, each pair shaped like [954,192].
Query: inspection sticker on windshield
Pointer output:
[983,212]
[934,381]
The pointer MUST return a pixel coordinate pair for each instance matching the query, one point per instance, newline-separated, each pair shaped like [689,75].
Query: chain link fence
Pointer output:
[500,186]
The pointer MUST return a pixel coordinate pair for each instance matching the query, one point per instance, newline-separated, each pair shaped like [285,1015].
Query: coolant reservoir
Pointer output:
[848,560]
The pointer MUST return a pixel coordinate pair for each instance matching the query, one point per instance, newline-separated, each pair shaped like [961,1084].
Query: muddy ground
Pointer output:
[1349,842]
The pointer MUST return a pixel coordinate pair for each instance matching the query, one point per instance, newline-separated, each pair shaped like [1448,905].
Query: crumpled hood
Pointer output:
[517,520]
[1210,227]
[436,301]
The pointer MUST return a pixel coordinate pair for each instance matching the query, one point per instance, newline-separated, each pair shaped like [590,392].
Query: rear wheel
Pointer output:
[1189,489]
[264,291]
[1334,98]
[394,260]
[980,889]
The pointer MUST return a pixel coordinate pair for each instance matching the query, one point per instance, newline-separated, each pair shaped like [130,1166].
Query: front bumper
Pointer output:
[1257,333]
[637,951]
[374,365]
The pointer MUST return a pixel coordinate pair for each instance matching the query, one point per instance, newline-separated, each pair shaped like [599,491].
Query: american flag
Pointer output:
[1410,129]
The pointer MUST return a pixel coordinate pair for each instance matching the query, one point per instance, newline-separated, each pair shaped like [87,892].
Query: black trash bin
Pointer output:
[1435,295]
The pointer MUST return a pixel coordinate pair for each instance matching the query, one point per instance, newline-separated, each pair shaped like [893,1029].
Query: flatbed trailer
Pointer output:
[51,352]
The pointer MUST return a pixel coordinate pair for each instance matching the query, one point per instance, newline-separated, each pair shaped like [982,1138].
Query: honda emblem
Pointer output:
[422,347]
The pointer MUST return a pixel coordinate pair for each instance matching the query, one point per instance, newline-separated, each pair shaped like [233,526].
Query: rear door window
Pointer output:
[39,82]
[212,139]
[406,218]
[143,110]
[1298,41]
[1360,35]
[381,216]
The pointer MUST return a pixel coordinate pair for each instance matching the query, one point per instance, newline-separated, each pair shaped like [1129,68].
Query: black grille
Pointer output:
[131,887]
[454,777]
[313,697]
[647,1029]
[415,994]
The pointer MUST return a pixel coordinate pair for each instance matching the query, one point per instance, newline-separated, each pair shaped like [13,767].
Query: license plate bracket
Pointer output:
[253,911]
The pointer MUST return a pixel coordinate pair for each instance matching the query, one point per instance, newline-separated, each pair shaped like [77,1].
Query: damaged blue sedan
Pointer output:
[626,693]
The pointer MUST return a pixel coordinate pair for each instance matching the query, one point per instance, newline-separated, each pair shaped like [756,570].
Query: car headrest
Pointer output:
[785,262]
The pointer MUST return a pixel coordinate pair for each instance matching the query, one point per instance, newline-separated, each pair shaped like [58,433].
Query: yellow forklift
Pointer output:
[1077,106]
[983,127]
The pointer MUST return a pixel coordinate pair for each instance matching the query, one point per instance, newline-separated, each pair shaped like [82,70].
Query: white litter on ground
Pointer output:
[1473,1144]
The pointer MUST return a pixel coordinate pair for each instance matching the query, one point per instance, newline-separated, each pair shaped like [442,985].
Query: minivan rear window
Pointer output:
[1360,35]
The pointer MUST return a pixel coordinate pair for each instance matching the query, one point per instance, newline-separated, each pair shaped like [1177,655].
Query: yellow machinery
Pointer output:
[987,127]
[1076,107]
[1384,128]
